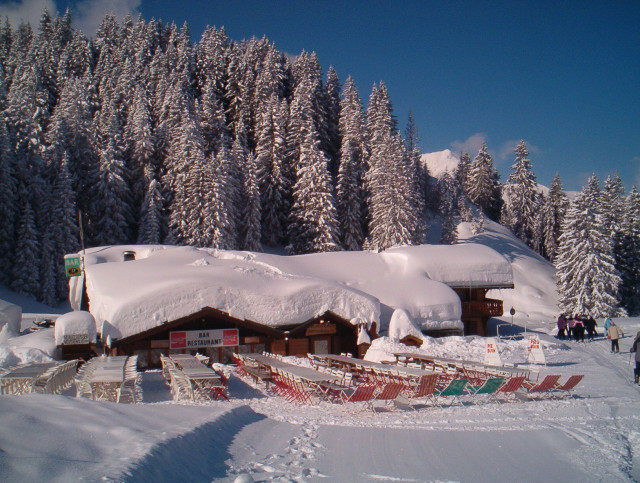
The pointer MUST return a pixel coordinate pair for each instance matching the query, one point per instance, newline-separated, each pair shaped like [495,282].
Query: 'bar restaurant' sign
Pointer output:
[194,339]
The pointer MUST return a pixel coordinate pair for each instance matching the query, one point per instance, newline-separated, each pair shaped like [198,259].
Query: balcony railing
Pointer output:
[485,308]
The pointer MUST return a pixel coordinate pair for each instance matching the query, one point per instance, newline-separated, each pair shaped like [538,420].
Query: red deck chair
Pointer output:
[363,393]
[390,392]
[425,388]
[544,387]
[509,388]
[568,386]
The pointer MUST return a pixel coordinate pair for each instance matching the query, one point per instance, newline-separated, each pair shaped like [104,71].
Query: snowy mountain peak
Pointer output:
[440,161]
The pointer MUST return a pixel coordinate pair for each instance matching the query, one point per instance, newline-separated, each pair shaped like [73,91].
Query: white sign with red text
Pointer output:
[535,354]
[492,356]
[194,339]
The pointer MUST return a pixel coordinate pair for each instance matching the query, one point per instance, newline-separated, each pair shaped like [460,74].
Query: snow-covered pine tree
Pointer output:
[447,188]
[152,229]
[522,199]
[554,209]
[350,201]
[313,226]
[421,177]
[26,264]
[198,206]
[613,212]
[587,277]
[332,98]
[251,228]
[629,255]
[462,171]
[8,200]
[483,186]
[110,216]
[63,224]
[224,227]
[271,157]
[392,211]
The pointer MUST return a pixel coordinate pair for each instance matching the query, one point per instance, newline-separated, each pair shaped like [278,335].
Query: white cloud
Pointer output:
[88,14]
[27,11]
[471,145]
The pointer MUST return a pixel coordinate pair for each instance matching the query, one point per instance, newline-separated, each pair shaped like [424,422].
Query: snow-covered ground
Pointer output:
[594,437]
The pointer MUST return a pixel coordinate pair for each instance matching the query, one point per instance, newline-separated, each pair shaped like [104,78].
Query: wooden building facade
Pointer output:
[477,309]
[328,333]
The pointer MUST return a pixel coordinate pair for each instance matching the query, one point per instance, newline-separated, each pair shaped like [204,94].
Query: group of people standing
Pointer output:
[575,327]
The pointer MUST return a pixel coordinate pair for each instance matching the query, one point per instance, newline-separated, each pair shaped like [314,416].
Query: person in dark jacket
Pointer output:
[578,329]
[634,348]
[590,324]
[562,325]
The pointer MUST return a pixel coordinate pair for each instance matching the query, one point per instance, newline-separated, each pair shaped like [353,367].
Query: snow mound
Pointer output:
[10,317]
[401,326]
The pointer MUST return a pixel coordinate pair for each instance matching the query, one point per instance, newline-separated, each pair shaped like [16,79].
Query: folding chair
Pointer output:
[453,389]
[390,392]
[543,388]
[489,387]
[568,386]
[363,393]
[509,388]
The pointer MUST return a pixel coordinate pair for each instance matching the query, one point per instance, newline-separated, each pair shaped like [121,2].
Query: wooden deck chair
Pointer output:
[568,386]
[452,390]
[363,393]
[509,388]
[489,387]
[180,386]
[390,391]
[544,387]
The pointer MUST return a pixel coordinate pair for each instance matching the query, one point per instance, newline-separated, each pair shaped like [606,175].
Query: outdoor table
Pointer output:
[107,377]
[19,380]
[203,379]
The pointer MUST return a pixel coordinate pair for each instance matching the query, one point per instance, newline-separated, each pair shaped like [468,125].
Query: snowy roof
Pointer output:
[166,283]
[77,327]
[10,315]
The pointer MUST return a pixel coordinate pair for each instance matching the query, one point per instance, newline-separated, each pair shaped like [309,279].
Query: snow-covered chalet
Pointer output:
[148,300]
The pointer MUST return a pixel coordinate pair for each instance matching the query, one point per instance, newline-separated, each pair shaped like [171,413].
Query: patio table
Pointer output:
[19,379]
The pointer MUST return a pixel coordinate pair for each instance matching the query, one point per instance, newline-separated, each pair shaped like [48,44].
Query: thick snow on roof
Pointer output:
[77,323]
[10,315]
[166,283]
[401,326]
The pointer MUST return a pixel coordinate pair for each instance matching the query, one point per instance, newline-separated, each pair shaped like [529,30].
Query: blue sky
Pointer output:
[564,76]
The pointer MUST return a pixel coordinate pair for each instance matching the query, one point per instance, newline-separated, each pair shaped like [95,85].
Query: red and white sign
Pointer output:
[492,356]
[535,354]
[193,339]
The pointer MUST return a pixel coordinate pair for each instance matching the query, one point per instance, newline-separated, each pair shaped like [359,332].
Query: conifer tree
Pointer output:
[628,260]
[587,278]
[350,201]
[554,209]
[332,96]
[8,200]
[313,226]
[483,186]
[271,158]
[26,266]
[152,224]
[251,228]
[521,208]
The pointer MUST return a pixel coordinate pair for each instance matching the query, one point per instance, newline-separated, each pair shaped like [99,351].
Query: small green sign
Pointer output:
[72,265]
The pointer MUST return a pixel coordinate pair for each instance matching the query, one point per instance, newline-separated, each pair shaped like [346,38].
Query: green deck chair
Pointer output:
[489,387]
[454,389]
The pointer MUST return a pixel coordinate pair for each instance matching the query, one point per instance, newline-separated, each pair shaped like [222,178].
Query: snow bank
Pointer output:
[10,316]
[78,327]
[401,326]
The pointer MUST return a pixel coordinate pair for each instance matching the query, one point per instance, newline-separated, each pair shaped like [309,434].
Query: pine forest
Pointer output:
[150,138]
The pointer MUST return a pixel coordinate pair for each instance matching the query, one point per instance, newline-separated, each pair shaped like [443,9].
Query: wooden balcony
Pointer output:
[483,309]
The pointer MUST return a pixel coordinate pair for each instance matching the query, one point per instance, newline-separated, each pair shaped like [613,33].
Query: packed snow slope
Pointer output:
[166,283]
